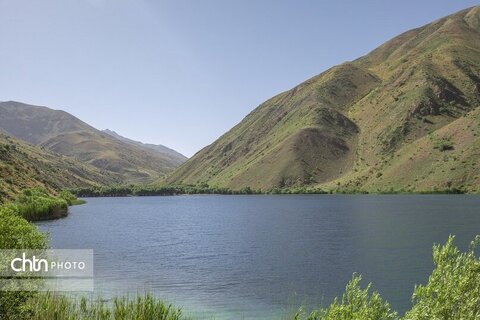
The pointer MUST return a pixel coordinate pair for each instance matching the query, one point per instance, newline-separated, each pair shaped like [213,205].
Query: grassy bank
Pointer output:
[53,306]
[36,204]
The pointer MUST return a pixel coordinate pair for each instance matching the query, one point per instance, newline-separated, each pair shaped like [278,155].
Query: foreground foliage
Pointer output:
[356,303]
[453,288]
[17,233]
[452,292]
[52,306]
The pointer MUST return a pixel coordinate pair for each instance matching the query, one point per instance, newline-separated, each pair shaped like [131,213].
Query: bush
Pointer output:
[36,204]
[70,198]
[67,196]
[453,288]
[17,233]
[452,292]
[356,304]
[443,144]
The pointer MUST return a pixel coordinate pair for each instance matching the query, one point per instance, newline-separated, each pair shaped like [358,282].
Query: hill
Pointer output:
[404,117]
[177,157]
[25,166]
[65,134]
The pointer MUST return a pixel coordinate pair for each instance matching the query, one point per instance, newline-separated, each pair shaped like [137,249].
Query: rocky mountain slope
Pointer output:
[65,134]
[25,166]
[404,117]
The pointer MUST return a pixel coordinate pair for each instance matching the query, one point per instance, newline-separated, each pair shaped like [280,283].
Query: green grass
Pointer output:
[36,204]
[53,306]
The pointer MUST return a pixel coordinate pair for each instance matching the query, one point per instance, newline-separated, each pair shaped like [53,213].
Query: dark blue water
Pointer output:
[259,257]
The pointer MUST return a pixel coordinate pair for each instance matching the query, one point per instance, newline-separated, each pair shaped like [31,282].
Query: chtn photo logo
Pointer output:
[34,264]
[46,270]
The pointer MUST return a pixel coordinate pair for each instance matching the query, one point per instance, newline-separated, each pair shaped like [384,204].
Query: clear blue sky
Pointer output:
[181,73]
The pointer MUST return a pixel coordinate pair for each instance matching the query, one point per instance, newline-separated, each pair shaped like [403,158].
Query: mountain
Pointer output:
[24,166]
[404,117]
[65,134]
[177,157]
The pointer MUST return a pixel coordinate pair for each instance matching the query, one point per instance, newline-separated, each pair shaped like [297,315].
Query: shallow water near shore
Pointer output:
[260,257]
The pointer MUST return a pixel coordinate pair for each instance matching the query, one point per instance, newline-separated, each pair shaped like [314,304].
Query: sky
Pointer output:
[181,73]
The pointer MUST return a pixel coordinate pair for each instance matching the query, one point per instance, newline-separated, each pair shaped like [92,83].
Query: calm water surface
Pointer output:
[259,257]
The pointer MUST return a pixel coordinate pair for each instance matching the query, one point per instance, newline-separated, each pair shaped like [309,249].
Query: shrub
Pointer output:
[453,288]
[452,292]
[443,144]
[17,233]
[36,204]
[67,196]
[70,198]
[356,303]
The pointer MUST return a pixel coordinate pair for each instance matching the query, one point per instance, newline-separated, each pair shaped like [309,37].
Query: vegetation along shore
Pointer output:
[141,190]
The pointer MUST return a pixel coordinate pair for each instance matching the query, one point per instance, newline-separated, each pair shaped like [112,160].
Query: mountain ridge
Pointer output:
[157,147]
[404,93]
[63,133]
[23,165]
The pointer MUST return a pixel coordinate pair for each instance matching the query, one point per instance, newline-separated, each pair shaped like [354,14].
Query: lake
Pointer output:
[261,256]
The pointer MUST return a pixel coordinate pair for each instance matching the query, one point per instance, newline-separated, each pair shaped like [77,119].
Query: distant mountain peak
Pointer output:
[63,133]
[156,147]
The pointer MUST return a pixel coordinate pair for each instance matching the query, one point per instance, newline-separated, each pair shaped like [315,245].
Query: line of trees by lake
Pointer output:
[165,190]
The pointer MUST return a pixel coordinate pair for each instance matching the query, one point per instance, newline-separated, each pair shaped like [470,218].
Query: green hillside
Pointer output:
[25,166]
[403,117]
[65,134]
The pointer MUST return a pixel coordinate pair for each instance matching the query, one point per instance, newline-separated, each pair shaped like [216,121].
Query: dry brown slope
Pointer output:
[25,166]
[430,82]
[298,137]
[63,133]
[344,128]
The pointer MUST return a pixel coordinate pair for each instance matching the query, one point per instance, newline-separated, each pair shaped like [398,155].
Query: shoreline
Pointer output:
[124,195]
